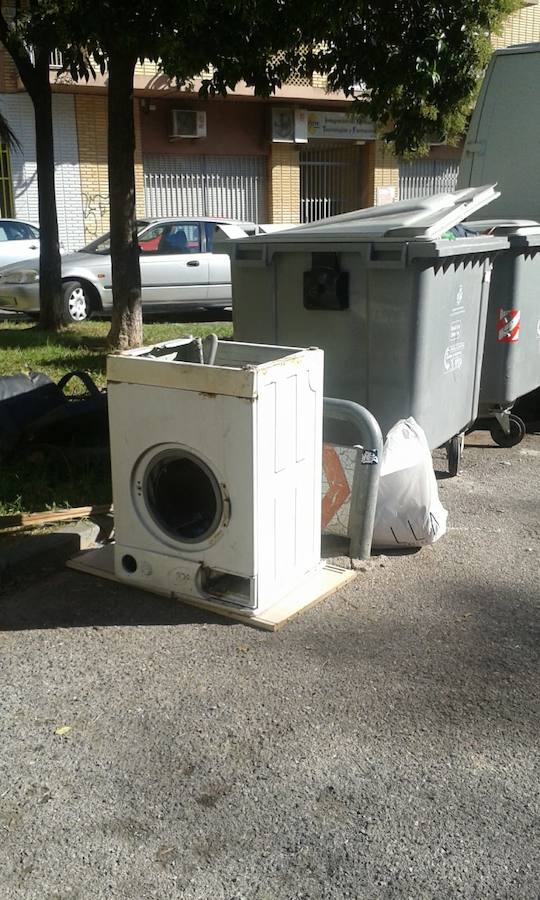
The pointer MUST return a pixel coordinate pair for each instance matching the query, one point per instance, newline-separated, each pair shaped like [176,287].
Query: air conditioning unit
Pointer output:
[289,126]
[187,123]
[283,125]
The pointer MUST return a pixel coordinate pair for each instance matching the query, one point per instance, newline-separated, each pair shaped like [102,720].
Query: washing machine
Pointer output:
[216,469]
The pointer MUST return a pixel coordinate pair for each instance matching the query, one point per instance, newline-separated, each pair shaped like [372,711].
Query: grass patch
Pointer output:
[55,478]
[24,346]
[43,479]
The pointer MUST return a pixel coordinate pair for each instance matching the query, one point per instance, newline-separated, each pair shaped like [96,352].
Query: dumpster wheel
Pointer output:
[454,450]
[515,436]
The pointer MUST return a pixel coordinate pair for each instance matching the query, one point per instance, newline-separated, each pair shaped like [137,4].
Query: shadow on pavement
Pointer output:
[74,600]
[465,631]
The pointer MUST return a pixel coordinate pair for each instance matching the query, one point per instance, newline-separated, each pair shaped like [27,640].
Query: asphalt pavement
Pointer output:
[383,745]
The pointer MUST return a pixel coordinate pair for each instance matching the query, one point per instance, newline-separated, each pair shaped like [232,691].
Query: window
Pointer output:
[159,239]
[6,188]
[171,237]
[18,231]
[211,236]
[102,245]
[215,237]
[149,242]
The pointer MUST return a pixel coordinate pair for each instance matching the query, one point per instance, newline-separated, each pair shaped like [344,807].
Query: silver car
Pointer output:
[183,264]
[18,240]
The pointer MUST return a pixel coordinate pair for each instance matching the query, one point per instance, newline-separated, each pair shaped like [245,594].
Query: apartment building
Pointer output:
[295,157]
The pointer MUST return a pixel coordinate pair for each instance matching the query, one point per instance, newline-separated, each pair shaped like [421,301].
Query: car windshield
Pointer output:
[102,245]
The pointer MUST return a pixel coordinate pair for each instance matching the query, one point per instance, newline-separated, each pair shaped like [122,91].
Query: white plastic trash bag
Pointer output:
[409,512]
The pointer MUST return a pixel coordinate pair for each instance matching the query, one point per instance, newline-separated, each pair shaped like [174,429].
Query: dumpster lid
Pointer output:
[505,226]
[423,218]
[232,231]
[521,233]
[272,228]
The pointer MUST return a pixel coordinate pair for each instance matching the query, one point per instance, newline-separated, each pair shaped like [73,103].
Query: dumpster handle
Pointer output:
[365,485]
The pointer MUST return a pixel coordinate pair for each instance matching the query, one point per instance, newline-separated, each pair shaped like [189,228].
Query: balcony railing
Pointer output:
[56,60]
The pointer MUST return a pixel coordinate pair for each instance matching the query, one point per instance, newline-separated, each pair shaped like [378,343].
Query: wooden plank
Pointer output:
[316,587]
[32,520]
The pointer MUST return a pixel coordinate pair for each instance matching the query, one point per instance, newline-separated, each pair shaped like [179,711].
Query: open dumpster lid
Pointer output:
[522,234]
[424,218]
[505,226]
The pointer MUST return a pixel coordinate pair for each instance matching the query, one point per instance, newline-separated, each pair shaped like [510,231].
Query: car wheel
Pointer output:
[76,302]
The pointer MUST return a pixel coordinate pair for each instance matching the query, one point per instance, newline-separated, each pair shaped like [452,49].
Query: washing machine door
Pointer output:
[178,492]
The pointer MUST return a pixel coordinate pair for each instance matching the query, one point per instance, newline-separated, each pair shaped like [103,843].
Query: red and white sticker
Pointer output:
[508,324]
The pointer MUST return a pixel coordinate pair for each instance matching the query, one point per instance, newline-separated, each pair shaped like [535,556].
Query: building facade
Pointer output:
[295,157]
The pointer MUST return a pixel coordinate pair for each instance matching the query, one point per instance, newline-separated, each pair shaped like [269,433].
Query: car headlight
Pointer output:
[23,276]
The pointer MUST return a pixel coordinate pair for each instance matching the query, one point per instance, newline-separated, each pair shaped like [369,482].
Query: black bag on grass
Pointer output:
[33,409]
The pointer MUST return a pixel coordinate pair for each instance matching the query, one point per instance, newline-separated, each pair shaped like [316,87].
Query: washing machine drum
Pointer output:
[182,495]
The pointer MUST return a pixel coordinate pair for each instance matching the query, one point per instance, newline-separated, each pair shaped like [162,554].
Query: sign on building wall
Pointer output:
[385,194]
[298,126]
[337,126]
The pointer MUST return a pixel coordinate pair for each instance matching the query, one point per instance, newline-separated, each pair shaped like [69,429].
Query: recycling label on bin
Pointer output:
[453,354]
[508,325]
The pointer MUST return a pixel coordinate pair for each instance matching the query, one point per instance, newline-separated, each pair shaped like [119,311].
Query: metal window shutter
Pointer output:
[227,186]
[173,185]
[422,177]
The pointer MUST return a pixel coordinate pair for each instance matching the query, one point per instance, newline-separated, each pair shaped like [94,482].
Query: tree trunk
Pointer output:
[126,327]
[35,77]
[50,270]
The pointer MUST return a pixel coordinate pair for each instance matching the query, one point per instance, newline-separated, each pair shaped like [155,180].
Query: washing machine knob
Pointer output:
[146,569]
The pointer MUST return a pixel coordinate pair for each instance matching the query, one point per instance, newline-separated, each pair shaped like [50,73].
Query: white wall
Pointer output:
[18,110]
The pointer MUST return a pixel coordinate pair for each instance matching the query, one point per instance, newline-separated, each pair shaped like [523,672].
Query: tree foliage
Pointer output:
[418,64]
[245,37]
[413,67]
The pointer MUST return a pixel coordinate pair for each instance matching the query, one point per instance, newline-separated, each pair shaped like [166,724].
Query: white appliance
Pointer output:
[187,123]
[216,470]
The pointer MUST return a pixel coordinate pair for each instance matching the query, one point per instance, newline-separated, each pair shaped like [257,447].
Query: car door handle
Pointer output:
[33,247]
[193,262]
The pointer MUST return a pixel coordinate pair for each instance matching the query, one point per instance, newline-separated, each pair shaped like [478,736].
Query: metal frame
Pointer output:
[330,180]
[7,208]
[423,177]
[365,486]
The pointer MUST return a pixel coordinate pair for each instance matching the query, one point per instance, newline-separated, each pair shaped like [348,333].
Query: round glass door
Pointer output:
[183,496]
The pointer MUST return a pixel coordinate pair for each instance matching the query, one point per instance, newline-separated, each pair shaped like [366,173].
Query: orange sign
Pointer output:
[338,487]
